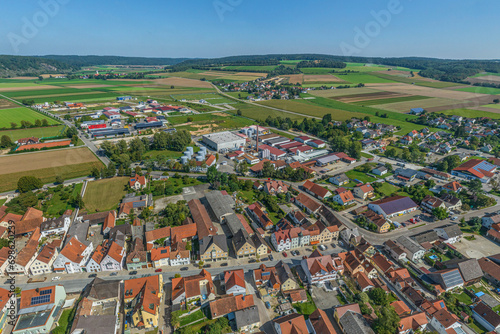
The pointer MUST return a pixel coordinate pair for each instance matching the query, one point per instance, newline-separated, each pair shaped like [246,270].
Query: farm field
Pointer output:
[50,131]
[251,68]
[495,106]
[105,194]
[310,109]
[480,90]
[6,104]
[318,70]
[69,163]
[16,115]
[294,78]
[321,78]
[342,92]
[259,113]
[212,98]
[419,82]
[212,122]
[471,113]
[391,100]
[362,67]
[403,88]
[365,78]
[405,106]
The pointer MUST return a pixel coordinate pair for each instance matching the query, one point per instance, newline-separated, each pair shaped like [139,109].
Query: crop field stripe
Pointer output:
[390,100]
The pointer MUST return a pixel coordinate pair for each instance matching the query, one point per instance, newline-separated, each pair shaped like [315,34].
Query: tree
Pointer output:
[387,322]
[476,186]
[378,296]
[146,213]
[238,112]
[78,201]
[59,179]
[13,125]
[496,101]
[440,213]
[5,141]
[28,183]
[45,122]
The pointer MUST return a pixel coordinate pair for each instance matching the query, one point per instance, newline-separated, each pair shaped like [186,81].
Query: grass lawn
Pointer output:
[248,196]
[477,327]
[464,298]
[387,189]
[63,322]
[195,316]
[366,155]
[352,174]
[169,154]
[105,194]
[178,183]
[306,308]
[16,115]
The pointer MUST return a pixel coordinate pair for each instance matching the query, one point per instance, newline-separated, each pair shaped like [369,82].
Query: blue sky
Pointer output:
[215,28]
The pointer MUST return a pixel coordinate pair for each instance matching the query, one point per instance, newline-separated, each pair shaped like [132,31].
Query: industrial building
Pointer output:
[223,141]
[100,133]
[149,125]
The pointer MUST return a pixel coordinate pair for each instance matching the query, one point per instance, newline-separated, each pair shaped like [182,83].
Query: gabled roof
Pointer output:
[315,188]
[476,167]
[234,278]
[201,219]
[321,323]
[400,307]
[160,253]
[73,250]
[147,290]
[219,240]
[395,204]
[485,312]
[229,304]
[307,202]
[292,324]
[414,321]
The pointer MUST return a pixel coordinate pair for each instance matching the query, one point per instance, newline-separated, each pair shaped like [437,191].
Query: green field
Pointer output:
[390,100]
[260,113]
[431,84]
[16,115]
[56,206]
[105,194]
[216,122]
[91,96]
[251,68]
[495,106]
[51,131]
[318,70]
[365,78]
[362,67]
[473,113]
[211,98]
[387,189]
[480,90]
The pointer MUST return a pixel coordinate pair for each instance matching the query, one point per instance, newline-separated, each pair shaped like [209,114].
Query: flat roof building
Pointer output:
[223,141]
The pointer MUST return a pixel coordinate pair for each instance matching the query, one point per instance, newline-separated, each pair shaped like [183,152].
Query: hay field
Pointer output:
[182,82]
[294,78]
[321,78]
[105,194]
[68,163]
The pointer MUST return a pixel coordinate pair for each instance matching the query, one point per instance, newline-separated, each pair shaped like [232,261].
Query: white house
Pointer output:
[450,234]
[491,219]
[281,240]
[443,322]
[321,268]
[234,282]
[179,255]
[45,259]
[160,256]
[53,226]
[299,237]
[73,257]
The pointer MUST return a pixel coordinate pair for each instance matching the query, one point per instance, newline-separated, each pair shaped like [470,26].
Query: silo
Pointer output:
[184,160]
[199,158]
[190,149]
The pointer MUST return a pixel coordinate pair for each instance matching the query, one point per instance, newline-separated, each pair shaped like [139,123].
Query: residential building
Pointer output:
[450,234]
[444,322]
[273,187]
[339,180]
[256,211]
[138,182]
[416,322]
[343,196]
[26,255]
[469,269]
[179,255]
[243,245]
[261,247]
[383,225]
[305,202]
[394,250]
[290,324]
[488,318]
[143,298]
[286,278]
[365,191]
[453,186]
[73,257]
[185,290]
[316,190]
[55,226]
[247,319]
[429,203]
[204,224]
[320,323]
[213,248]
[321,268]
[229,304]
[160,256]
[379,170]
[234,282]
[490,219]
[414,251]
[491,270]
[137,258]
[45,259]
[281,240]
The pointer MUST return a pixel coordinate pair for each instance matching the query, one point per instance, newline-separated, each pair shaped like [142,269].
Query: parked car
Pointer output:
[92,275]
[252,261]
[208,265]
[271,257]
[184,268]
[114,273]
[284,254]
[268,305]
[333,245]
[223,264]
[133,272]
[297,253]
[56,278]
[454,218]
[159,270]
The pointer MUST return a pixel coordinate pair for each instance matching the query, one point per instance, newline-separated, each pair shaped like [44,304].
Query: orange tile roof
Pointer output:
[400,307]
[147,289]
[116,252]
[234,278]
[73,250]
[44,145]
[47,253]
[160,253]
[28,226]
[307,202]
[4,297]
[26,296]
[292,324]
[191,285]
[32,213]
[183,232]
[109,221]
[321,323]
[229,304]
[315,188]
[153,235]
[11,216]
[138,178]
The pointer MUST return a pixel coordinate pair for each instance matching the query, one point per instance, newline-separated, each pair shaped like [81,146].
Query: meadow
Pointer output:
[50,131]
[16,115]
[102,195]
[251,68]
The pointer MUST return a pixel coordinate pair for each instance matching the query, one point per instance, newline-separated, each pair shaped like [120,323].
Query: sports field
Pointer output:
[102,195]
[68,163]
[16,115]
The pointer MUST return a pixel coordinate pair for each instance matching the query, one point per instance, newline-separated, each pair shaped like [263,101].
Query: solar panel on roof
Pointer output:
[46,292]
[40,299]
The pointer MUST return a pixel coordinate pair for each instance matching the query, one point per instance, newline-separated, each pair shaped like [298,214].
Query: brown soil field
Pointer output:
[474,103]
[25,78]
[54,95]
[252,74]
[295,78]
[182,82]
[36,87]
[6,104]
[47,159]
[486,78]
[321,78]
[368,97]
[402,88]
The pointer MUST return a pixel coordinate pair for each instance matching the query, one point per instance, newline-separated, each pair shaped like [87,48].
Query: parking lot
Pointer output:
[477,248]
